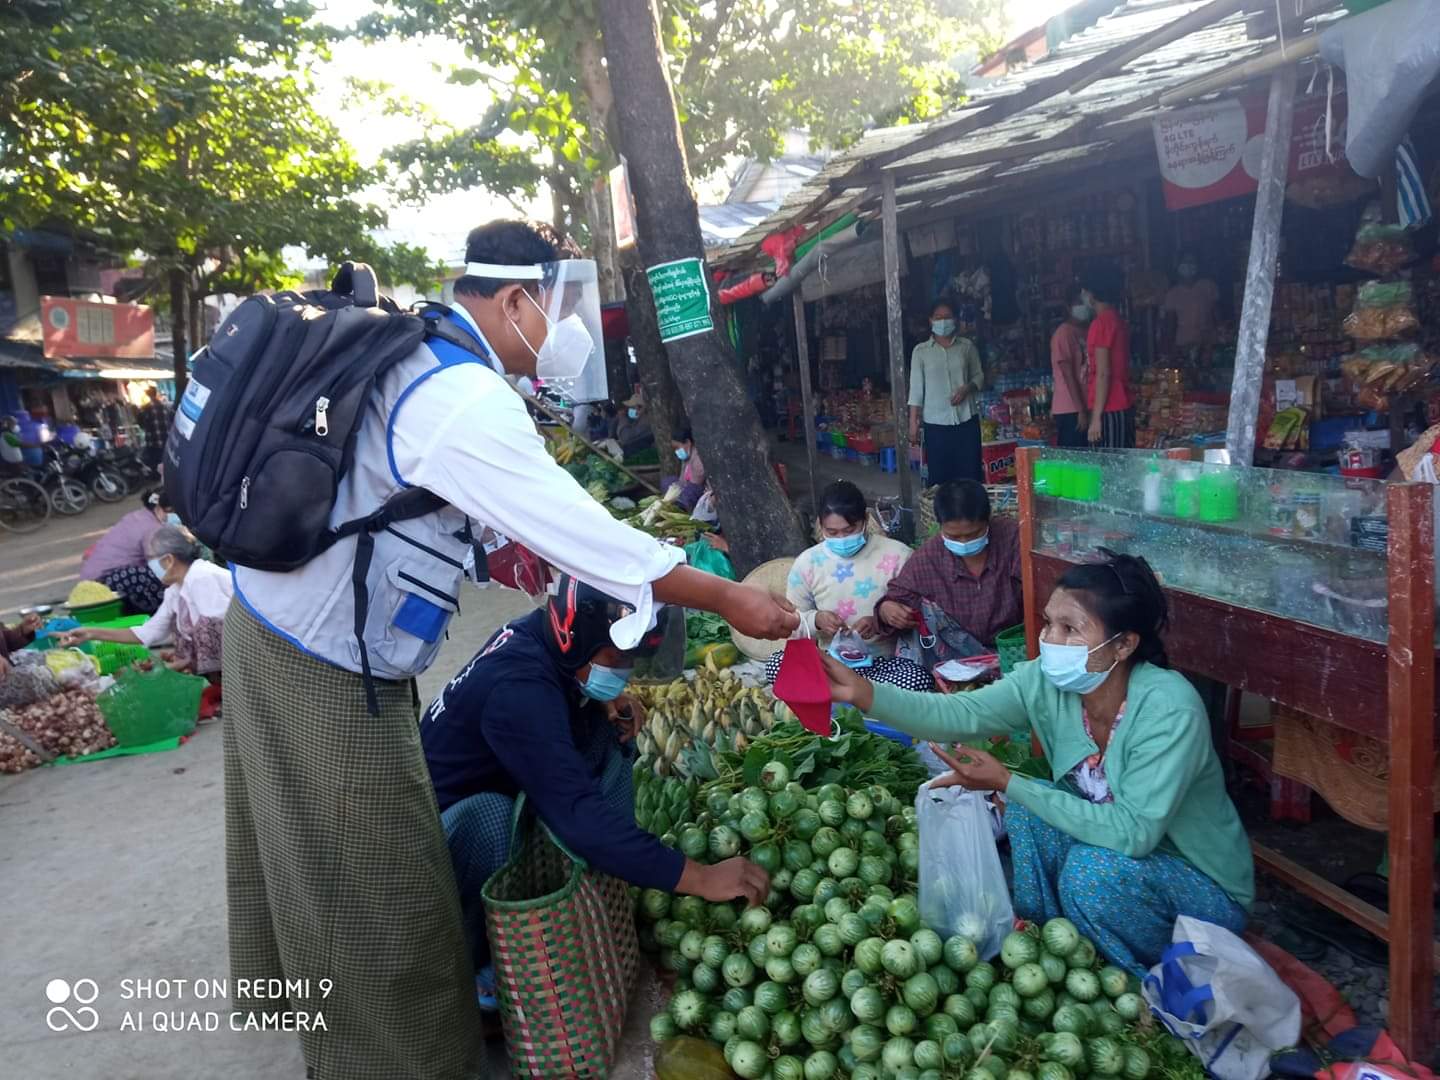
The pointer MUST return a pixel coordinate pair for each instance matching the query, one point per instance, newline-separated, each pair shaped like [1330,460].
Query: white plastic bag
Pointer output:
[962,884]
[1218,996]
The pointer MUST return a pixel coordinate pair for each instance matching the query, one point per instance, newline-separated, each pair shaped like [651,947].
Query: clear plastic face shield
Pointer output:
[571,359]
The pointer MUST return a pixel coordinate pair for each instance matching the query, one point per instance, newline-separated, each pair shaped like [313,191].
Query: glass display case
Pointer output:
[1305,546]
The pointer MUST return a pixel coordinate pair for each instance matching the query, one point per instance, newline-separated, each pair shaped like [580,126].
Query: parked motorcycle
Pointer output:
[66,494]
[90,468]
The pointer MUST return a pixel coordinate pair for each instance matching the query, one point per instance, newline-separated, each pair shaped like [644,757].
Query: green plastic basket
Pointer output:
[94,614]
[111,656]
[147,706]
[1010,644]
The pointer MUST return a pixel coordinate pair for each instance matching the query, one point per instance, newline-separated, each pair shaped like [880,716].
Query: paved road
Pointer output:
[41,567]
[114,870]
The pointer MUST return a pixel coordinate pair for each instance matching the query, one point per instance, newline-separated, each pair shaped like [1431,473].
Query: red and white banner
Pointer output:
[76,328]
[1212,152]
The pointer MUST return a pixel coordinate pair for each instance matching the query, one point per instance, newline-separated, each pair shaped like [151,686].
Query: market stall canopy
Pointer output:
[1080,114]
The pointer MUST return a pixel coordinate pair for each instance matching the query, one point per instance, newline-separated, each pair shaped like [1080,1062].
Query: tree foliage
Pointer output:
[746,72]
[181,128]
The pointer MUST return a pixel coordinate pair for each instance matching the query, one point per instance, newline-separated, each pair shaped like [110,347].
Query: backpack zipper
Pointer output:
[245,493]
[322,421]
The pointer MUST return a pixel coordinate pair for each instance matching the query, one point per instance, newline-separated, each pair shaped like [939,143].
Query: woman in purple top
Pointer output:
[118,558]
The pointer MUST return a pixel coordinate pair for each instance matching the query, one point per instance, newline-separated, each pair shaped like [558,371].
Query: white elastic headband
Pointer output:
[505,273]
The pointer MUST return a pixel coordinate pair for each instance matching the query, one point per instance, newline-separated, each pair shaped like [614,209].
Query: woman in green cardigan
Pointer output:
[1137,827]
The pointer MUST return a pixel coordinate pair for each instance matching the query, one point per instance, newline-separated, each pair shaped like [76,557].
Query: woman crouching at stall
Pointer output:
[836,584]
[192,614]
[1137,828]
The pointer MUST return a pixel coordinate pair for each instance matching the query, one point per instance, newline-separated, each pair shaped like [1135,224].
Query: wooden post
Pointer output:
[1025,458]
[1260,274]
[1412,768]
[807,399]
[899,385]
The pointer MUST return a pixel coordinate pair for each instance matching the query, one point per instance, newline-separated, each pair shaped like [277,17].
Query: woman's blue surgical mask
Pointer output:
[845,546]
[633,414]
[682,453]
[942,327]
[157,568]
[172,518]
[604,683]
[1066,666]
[1082,313]
[962,548]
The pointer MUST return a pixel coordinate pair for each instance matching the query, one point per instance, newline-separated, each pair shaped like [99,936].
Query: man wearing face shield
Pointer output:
[337,867]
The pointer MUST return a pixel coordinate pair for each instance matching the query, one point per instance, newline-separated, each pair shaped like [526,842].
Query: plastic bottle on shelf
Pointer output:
[1150,488]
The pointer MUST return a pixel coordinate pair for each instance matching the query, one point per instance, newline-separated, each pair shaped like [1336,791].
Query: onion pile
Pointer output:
[68,724]
[836,976]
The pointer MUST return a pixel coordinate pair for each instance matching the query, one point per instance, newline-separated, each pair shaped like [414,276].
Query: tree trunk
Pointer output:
[757,517]
[196,321]
[179,307]
[599,104]
[662,396]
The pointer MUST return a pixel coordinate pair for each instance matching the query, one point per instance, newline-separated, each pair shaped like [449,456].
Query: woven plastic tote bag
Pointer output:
[562,939]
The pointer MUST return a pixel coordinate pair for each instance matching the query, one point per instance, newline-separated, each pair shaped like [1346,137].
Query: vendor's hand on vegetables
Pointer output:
[828,623]
[757,613]
[737,877]
[868,627]
[893,613]
[78,636]
[972,769]
[846,686]
[628,716]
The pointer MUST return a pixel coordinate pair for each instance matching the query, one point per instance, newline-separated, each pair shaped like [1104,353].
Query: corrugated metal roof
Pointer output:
[1130,96]
[722,224]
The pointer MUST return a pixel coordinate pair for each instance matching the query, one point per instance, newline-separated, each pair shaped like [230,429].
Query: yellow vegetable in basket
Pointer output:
[87,593]
[60,661]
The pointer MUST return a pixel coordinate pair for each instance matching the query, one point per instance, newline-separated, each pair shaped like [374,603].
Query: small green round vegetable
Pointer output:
[821,1065]
[663,1028]
[806,959]
[749,1060]
[828,940]
[868,1005]
[960,954]
[981,977]
[771,998]
[1082,985]
[928,1055]
[687,1008]
[775,775]
[1130,1006]
[927,943]
[706,979]
[820,986]
[738,970]
[722,1026]
[1137,1063]
[921,994]
[899,958]
[736,998]
[1060,937]
[866,1041]
[779,969]
[1018,949]
[900,1019]
[755,921]
[843,862]
[752,1022]
[899,1053]
[785,1028]
[1029,980]
[1114,981]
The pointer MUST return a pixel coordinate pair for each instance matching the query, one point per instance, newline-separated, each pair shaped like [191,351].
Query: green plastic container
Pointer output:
[1086,481]
[1010,644]
[1187,497]
[96,614]
[147,706]
[111,656]
[1219,496]
[1044,477]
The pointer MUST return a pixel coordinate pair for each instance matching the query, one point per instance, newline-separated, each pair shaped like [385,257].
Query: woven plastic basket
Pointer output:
[562,939]
[1010,644]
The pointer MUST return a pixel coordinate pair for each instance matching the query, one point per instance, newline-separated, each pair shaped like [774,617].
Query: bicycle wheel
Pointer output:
[109,487]
[69,497]
[24,506]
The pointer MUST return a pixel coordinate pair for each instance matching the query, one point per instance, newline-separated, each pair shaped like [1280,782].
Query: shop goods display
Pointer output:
[662,520]
[836,975]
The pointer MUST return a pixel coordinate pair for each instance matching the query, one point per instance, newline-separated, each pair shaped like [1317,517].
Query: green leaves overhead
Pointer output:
[178,127]
[746,72]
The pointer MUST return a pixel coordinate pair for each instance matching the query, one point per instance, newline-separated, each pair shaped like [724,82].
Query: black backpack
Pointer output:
[266,427]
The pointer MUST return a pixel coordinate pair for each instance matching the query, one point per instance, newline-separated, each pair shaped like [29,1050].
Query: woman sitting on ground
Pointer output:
[835,585]
[1137,828]
[964,583]
[117,560]
[196,596]
[692,471]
